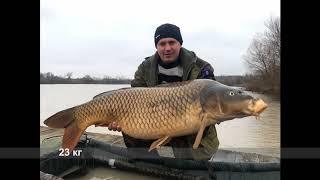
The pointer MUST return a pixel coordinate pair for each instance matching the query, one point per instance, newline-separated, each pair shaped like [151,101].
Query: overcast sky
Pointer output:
[106,37]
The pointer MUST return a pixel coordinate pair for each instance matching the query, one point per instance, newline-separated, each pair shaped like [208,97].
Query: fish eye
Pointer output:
[231,93]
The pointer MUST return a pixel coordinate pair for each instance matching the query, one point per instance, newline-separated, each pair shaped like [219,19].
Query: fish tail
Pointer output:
[71,137]
[65,119]
[61,119]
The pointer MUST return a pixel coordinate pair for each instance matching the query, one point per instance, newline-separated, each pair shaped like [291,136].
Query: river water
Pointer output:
[245,134]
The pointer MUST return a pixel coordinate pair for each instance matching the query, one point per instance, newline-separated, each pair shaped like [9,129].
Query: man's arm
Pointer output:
[139,80]
[207,72]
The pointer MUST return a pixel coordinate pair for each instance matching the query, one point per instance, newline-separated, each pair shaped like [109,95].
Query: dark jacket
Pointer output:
[193,68]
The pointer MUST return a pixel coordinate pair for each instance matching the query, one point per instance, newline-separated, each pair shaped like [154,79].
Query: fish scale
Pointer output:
[121,101]
[157,113]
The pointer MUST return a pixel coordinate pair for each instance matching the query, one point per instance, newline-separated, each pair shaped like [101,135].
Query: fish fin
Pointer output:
[109,92]
[102,125]
[71,137]
[161,141]
[199,135]
[61,119]
[174,84]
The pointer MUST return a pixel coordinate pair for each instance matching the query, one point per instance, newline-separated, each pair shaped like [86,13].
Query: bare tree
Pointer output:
[69,75]
[273,37]
[273,40]
[263,55]
[256,57]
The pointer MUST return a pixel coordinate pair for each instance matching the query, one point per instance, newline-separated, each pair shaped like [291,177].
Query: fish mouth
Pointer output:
[255,108]
[258,107]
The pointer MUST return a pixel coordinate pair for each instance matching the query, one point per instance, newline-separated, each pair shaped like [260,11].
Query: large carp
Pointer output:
[159,113]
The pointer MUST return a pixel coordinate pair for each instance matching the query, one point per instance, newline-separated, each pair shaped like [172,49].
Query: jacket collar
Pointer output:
[187,58]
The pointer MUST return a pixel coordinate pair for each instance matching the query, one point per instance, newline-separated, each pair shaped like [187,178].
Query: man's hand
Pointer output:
[114,127]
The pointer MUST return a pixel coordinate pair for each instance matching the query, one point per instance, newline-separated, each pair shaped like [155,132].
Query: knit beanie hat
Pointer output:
[167,30]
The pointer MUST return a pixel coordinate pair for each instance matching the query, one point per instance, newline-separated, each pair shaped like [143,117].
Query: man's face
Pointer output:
[168,49]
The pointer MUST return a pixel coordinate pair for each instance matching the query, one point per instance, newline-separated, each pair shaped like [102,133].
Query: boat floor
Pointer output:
[50,140]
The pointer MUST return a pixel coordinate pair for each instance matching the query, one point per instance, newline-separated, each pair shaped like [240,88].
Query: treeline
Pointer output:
[263,59]
[232,80]
[50,78]
[246,81]
[249,82]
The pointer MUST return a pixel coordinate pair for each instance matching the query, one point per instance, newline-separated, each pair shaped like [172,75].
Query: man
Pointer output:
[172,63]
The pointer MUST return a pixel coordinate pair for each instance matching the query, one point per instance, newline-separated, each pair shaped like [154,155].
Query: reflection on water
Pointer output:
[245,134]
